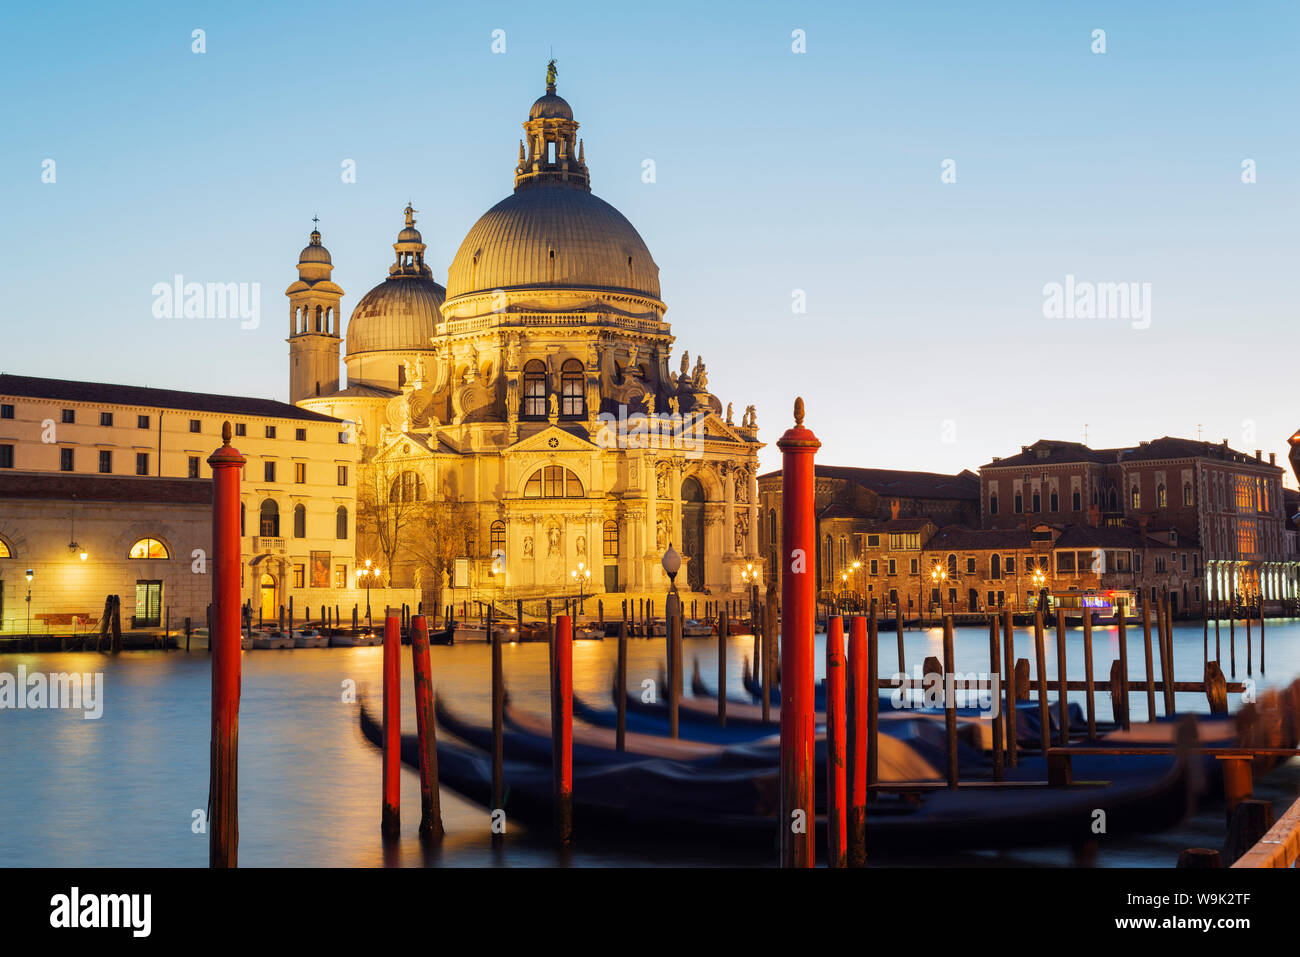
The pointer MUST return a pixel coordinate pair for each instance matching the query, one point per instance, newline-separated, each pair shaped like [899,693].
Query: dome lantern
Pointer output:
[554,155]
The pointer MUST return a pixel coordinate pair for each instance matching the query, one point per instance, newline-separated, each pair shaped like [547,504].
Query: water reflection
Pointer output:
[122,790]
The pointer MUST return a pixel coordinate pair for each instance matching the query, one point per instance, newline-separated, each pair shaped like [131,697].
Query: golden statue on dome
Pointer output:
[550,76]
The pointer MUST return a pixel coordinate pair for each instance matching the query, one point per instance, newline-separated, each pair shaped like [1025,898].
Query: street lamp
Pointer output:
[1039,580]
[938,575]
[29,602]
[862,600]
[369,574]
[580,576]
[750,577]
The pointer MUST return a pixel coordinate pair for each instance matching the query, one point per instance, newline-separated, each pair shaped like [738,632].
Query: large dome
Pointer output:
[400,314]
[552,237]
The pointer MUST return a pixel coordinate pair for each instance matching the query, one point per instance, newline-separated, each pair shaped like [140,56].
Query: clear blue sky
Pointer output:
[775,172]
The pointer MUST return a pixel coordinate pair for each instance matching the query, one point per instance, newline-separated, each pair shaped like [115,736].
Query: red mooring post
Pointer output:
[224,643]
[390,823]
[430,811]
[856,699]
[798,609]
[562,745]
[836,786]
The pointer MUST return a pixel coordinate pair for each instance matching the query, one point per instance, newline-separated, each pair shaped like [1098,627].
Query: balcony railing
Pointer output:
[273,545]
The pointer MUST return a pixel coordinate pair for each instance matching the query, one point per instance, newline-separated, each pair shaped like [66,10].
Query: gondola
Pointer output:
[680,801]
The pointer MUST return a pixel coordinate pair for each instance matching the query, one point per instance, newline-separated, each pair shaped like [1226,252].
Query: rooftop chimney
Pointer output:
[1272,458]
[1259,455]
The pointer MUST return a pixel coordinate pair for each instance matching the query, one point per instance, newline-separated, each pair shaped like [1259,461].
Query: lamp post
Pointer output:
[369,574]
[29,602]
[859,596]
[938,575]
[1039,579]
[672,564]
[750,578]
[581,575]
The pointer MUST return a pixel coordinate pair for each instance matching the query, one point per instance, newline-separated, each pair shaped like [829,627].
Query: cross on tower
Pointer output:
[315,221]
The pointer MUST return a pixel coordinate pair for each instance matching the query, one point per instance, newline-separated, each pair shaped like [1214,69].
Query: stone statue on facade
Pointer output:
[699,375]
[649,400]
[729,413]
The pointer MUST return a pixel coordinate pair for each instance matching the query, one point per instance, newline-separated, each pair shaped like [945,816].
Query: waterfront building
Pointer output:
[527,431]
[1202,520]
[105,489]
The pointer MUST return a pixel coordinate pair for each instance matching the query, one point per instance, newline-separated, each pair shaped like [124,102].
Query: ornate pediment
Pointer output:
[553,438]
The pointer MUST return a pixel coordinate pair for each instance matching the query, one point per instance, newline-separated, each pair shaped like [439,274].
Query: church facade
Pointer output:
[526,431]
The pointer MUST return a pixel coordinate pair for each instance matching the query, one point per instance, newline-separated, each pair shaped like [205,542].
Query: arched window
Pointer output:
[1114,500]
[771,525]
[497,539]
[995,566]
[1162,498]
[828,559]
[270,524]
[993,503]
[952,566]
[844,552]
[341,523]
[1076,500]
[1038,501]
[611,539]
[1135,497]
[534,390]
[1055,501]
[553,481]
[241,519]
[571,388]
[5,550]
[1187,493]
[407,487]
[300,521]
[149,548]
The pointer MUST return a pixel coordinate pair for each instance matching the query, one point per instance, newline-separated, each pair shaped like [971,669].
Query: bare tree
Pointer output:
[390,501]
[442,531]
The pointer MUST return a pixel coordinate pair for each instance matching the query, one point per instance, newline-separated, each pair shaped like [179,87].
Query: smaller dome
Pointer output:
[410,235]
[315,252]
[550,106]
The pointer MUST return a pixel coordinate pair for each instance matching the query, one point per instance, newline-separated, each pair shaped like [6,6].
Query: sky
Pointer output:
[807,240]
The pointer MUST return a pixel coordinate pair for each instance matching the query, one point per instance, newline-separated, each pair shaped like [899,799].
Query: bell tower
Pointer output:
[313,324]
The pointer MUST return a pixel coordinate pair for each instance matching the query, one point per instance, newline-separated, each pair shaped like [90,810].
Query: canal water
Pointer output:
[123,790]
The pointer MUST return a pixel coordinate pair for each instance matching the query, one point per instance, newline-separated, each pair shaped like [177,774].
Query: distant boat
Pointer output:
[271,639]
[310,638]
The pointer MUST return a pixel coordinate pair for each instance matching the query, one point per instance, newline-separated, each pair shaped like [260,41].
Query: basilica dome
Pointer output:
[556,236]
[552,233]
[401,314]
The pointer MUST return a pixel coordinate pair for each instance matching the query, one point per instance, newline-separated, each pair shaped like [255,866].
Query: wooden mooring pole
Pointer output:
[620,738]
[796,815]
[949,700]
[995,668]
[1088,677]
[836,784]
[426,730]
[390,822]
[1044,716]
[1123,663]
[856,757]
[498,725]
[562,744]
[1146,644]
[1062,685]
[724,629]
[224,644]
[1009,656]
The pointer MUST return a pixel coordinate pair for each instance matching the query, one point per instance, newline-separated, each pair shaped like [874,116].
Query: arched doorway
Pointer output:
[269,610]
[693,532]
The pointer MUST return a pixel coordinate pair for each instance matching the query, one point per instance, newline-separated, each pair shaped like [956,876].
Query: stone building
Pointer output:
[860,510]
[527,430]
[1205,498]
[121,472]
